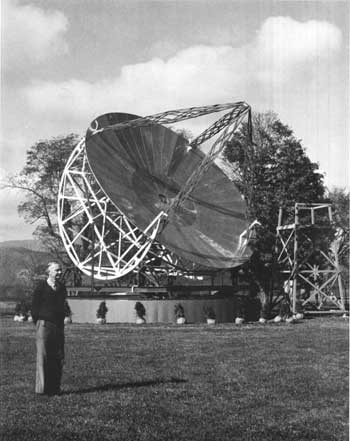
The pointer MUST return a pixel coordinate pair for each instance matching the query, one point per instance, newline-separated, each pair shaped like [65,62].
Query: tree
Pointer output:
[340,199]
[27,277]
[40,179]
[271,171]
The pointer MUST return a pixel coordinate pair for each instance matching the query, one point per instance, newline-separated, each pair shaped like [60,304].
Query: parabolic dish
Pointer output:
[141,169]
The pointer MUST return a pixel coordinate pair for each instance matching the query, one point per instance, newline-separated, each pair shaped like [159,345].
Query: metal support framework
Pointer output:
[308,256]
[174,116]
[98,237]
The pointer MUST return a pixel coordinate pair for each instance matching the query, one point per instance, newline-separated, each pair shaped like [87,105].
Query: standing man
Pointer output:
[48,316]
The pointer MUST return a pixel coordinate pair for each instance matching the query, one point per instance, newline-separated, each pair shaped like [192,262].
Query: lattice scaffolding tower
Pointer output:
[308,252]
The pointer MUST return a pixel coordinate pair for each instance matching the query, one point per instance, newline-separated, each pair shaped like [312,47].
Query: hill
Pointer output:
[29,244]
[12,261]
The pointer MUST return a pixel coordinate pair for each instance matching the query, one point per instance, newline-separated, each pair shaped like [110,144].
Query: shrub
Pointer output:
[285,309]
[102,310]
[22,308]
[265,312]
[67,310]
[241,307]
[209,312]
[179,310]
[140,310]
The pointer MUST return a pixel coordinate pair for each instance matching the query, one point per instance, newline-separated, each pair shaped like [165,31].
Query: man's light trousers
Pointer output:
[49,357]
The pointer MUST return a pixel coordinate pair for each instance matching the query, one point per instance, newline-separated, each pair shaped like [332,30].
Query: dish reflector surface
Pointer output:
[141,169]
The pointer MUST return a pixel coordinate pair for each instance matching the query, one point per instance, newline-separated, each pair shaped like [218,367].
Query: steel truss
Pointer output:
[308,253]
[98,238]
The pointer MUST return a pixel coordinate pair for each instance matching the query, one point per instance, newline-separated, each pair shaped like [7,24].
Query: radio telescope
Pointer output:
[133,182]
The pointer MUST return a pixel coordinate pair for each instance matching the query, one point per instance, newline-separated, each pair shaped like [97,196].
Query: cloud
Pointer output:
[191,73]
[274,71]
[167,48]
[282,50]
[31,35]
[284,46]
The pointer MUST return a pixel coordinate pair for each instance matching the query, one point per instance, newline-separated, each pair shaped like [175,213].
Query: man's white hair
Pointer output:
[50,264]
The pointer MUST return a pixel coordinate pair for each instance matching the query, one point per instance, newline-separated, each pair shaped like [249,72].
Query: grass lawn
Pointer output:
[193,382]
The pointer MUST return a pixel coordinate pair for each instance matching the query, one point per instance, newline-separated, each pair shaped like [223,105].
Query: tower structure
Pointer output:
[308,251]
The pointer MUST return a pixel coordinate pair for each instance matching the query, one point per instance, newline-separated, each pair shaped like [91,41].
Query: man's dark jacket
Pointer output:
[48,304]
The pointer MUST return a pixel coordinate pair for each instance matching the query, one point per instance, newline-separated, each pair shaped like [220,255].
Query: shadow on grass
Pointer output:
[118,386]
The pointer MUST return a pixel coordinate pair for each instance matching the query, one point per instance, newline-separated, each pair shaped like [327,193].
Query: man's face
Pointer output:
[55,272]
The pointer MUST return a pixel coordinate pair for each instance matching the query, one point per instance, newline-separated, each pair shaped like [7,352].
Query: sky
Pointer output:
[65,62]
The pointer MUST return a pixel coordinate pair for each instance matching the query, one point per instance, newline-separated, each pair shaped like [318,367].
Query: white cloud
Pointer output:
[284,46]
[166,48]
[199,74]
[286,68]
[31,35]
[285,38]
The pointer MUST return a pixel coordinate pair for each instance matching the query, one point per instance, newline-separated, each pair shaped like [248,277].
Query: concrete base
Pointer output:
[157,311]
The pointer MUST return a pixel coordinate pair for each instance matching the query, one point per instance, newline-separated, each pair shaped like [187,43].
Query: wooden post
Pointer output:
[330,214]
[280,216]
[295,269]
[341,292]
[340,283]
